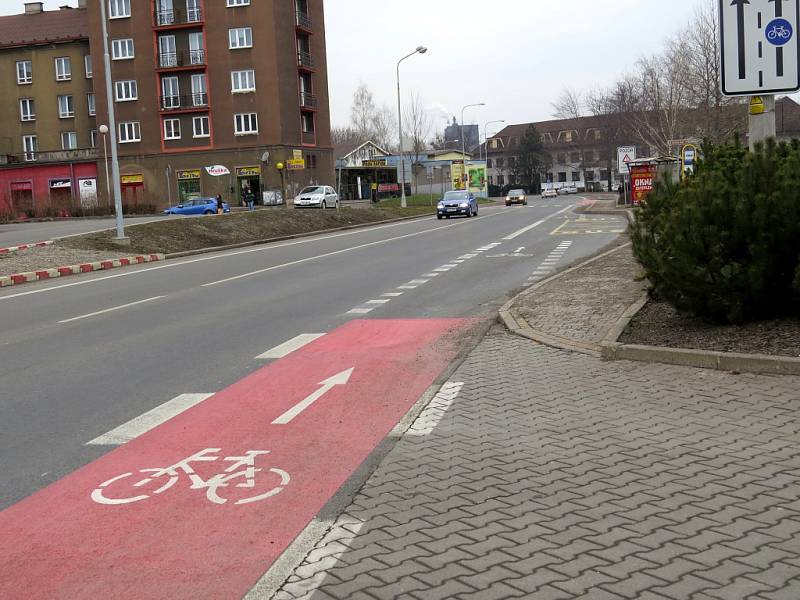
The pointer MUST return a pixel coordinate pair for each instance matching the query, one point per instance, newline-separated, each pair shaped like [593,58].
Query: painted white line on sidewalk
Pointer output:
[525,230]
[108,310]
[290,346]
[149,420]
[432,414]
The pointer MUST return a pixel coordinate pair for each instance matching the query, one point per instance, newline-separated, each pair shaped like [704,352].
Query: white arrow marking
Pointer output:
[327,385]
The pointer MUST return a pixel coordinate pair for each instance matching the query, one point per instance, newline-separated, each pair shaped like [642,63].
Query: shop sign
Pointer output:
[137,179]
[378,162]
[295,164]
[457,173]
[297,154]
[389,187]
[60,184]
[217,170]
[248,171]
[188,174]
[87,189]
[642,180]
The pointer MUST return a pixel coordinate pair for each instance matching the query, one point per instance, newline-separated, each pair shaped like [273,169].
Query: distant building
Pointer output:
[452,137]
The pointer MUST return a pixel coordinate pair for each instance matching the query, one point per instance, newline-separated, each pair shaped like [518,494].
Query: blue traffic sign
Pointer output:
[779,32]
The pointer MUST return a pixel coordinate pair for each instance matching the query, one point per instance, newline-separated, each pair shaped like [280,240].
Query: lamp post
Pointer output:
[104,131]
[486,135]
[112,129]
[464,138]
[419,50]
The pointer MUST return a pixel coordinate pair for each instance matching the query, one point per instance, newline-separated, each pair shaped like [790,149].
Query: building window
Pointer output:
[245,123]
[63,68]
[69,140]
[24,72]
[232,3]
[491,180]
[30,145]
[27,110]
[500,163]
[576,176]
[172,129]
[243,81]
[91,103]
[311,161]
[241,37]
[93,138]
[119,9]
[307,120]
[129,131]
[501,180]
[488,163]
[122,49]
[575,157]
[66,108]
[126,90]
[562,177]
[87,65]
[201,127]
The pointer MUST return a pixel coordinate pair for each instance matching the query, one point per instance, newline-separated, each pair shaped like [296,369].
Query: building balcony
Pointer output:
[51,156]
[180,60]
[303,21]
[184,102]
[304,60]
[308,100]
[178,17]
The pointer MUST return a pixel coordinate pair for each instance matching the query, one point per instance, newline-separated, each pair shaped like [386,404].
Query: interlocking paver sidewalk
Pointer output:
[551,475]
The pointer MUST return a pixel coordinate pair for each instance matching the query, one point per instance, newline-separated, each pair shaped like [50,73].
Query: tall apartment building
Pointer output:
[196,84]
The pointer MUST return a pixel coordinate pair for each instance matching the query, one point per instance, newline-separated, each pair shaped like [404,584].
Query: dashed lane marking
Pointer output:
[290,346]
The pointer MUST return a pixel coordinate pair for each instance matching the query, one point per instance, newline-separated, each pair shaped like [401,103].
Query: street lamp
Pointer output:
[486,136]
[104,131]
[463,137]
[419,50]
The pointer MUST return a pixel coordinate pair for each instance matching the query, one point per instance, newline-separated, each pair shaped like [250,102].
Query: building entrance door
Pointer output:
[248,178]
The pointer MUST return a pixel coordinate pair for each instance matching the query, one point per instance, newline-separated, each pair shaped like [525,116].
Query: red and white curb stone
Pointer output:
[103,265]
[26,247]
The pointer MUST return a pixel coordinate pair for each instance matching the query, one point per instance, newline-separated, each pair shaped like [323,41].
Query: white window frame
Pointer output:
[173,132]
[130,132]
[123,43]
[64,73]
[73,136]
[67,110]
[126,85]
[88,67]
[30,115]
[240,120]
[91,103]
[30,146]
[207,129]
[248,76]
[119,9]
[234,38]
[27,77]
[93,138]
[235,3]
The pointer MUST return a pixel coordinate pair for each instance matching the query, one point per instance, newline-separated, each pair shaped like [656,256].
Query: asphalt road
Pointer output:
[25,233]
[79,358]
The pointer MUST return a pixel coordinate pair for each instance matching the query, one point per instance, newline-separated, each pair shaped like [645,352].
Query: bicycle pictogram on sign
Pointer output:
[159,480]
[779,32]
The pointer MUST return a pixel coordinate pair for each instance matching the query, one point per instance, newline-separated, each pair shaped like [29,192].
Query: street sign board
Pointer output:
[625,154]
[759,45]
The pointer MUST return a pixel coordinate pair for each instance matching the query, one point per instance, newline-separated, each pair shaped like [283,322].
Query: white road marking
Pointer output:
[431,274]
[418,281]
[359,311]
[442,270]
[407,287]
[327,385]
[149,420]
[108,310]
[384,301]
[290,346]
[392,294]
[432,414]
[524,230]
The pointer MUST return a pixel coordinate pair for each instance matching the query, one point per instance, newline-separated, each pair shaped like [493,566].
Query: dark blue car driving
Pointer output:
[457,203]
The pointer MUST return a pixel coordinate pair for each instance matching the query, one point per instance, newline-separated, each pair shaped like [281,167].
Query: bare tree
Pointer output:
[362,113]
[385,128]
[569,105]
[417,126]
[344,135]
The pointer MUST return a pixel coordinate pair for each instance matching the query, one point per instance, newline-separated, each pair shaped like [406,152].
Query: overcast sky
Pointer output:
[514,55]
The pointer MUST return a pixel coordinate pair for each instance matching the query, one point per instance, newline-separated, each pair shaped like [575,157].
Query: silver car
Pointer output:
[317,196]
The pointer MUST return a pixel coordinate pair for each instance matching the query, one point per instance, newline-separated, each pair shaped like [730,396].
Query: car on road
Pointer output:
[197,206]
[516,197]
[457,203]
[567,189]
[549,193]
[317,196]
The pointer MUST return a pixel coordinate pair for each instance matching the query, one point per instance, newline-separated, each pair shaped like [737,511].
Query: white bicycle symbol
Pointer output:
[242,467]
[779,31]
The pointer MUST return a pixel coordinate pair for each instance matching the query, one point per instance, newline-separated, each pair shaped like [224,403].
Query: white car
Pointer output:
[568,189]
[549,193]
[317,196]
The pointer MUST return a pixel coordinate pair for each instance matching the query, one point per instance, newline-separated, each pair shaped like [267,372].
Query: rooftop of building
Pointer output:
[37,27]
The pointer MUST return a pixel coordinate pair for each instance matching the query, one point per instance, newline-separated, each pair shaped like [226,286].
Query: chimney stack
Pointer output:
[34,8]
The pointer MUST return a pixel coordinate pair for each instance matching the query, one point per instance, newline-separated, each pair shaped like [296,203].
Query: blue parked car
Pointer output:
[457,203]
[197,206]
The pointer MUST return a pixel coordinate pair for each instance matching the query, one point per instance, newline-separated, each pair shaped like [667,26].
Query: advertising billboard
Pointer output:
[476,177]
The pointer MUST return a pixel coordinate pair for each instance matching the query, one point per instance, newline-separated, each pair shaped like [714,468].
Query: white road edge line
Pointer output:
[149,420]
[524,230]
[290,346]
[108,310]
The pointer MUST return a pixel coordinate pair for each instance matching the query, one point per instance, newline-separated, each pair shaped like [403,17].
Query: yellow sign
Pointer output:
[297,154]
[295,164]
[248,171]
[131,179]
[188,174]
[378,162]
[757,106]
[457,173]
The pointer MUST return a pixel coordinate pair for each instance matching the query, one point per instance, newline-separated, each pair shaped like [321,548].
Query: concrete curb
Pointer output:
[26,246]
[103,265]
[519,326]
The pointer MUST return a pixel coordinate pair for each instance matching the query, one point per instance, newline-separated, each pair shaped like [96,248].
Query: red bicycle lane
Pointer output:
[297,429]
